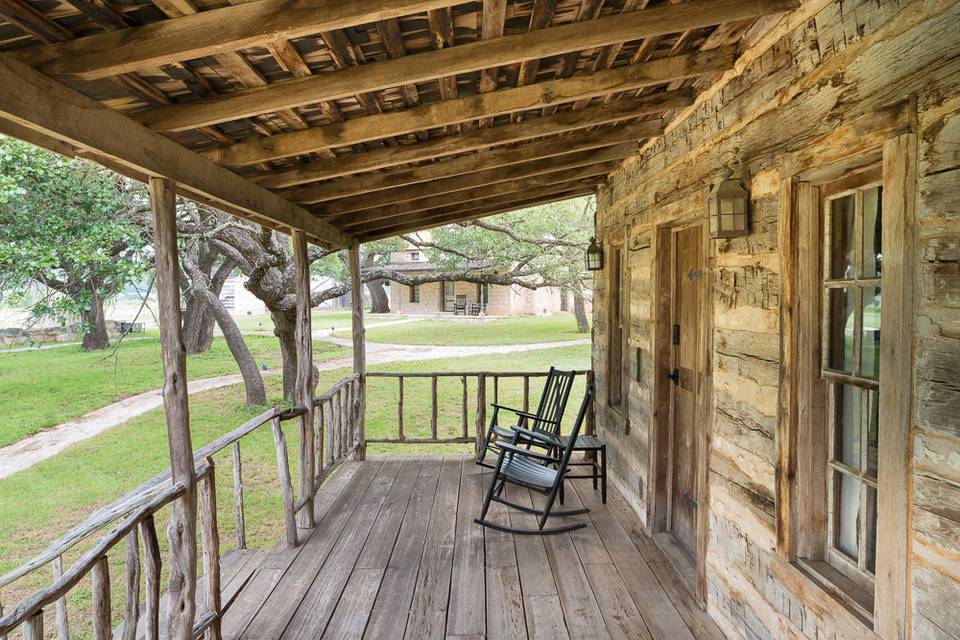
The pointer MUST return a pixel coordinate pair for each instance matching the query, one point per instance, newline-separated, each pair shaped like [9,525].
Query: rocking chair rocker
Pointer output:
[546,420]
[539,472]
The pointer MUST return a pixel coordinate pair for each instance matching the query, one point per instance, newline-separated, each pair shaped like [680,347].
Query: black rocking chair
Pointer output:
[539,472]
[547,418]
[460,306]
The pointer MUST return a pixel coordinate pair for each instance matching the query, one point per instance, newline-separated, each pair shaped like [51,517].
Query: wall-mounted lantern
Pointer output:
[594,256]
[728,206]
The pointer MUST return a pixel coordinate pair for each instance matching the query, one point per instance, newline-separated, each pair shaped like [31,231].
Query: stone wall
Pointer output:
[800,80]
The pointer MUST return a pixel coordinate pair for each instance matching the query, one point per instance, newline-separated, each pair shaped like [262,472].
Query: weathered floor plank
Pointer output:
[396,554]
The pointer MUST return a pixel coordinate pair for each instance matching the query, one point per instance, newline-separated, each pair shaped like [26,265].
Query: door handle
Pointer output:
[675,376]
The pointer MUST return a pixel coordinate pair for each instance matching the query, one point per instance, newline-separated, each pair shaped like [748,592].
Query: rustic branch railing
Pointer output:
[481,379]
[336,439]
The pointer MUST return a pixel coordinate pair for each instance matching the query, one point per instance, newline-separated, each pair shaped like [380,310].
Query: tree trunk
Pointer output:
[379,302]
[197,325]
[94,326]
[284,328]
[252,380]
[580,311]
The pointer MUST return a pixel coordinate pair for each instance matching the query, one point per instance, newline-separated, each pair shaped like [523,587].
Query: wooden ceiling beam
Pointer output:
[473,162]
[351,221]
[36,102]
[472,211]
[477,140]
[463,58]
[445,112]
[466,181]
[211,32]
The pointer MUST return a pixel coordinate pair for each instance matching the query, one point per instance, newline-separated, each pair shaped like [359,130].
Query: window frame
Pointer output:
[414,294]
[892,145]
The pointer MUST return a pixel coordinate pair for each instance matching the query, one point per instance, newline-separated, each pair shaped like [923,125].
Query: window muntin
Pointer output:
[851,350]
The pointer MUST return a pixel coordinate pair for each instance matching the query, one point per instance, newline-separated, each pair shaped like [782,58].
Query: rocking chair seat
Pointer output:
[584,443]
[504,432]
[529,472]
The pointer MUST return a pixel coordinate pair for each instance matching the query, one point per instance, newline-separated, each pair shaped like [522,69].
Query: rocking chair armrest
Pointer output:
[541,437]
[510,448]
[524,414]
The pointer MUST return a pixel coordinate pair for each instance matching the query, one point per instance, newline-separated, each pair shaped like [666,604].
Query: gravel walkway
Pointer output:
[46,444]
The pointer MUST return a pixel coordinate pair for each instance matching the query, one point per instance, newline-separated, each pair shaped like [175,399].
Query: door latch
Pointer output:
[688,499]
[675,376]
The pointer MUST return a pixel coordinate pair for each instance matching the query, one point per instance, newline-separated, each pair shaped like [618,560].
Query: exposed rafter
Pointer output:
[460,59]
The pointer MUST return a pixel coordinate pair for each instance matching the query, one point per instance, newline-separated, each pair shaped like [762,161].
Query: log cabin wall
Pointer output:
[836,81]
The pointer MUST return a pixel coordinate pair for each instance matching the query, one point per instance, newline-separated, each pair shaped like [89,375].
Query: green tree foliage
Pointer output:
[68,226]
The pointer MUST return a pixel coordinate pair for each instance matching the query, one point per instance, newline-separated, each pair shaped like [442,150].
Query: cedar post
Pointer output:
[359,352]
[182,530]
[303,395]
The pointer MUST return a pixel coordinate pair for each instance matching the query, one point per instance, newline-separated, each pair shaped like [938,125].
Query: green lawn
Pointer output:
[39,504]
[341,319]
[41,389]
[474,332]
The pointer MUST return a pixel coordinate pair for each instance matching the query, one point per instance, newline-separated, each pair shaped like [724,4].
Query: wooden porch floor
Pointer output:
[396,554]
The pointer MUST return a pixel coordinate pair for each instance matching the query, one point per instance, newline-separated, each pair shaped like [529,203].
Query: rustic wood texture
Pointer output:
[358,333]
[131,602]
[210,544]
[182,527]
[397,555]
[286,486]
[305,383]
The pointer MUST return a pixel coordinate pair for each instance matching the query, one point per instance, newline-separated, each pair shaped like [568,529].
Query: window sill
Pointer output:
[847,593]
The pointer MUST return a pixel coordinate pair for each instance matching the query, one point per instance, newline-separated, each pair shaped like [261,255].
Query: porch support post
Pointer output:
[182,530]
[359,351]
[303,394]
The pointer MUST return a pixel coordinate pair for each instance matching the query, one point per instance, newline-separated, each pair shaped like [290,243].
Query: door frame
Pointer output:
[693,573]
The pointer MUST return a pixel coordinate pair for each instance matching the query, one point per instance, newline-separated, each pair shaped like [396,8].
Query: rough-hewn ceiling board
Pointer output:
[441,113]
[31,21]
[212,32]
[493,15]
[470,162]
[351,221]
[476,210]
[460,59]
[34,101]
[540,18]
[463,182]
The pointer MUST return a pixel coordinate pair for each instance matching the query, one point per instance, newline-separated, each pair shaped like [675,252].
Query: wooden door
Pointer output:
[687,295]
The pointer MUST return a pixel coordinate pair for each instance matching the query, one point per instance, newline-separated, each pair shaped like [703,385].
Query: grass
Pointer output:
[39,504]
[41,389]
[321,320]
[521,330]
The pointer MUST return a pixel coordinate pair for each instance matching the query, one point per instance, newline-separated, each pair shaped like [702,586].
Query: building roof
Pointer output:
[362,119]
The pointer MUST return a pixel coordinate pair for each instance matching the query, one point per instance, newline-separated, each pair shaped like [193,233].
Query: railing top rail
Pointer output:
[84,565]
[452,374]
[329,393]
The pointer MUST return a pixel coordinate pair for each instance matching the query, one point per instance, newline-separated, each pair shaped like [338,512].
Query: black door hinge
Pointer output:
[676,334]
[675,376]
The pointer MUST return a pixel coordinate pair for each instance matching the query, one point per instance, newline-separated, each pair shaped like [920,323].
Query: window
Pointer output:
[852,259]
[615,333]
[448,295]
[843,514]
[414,255]
[484,294]
[415,293]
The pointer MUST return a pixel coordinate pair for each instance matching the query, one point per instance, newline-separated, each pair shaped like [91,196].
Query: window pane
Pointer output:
[847,425]
[873,431]
[870,553]
[841,237]
[872,255]
[848,514]
[840,301]
[870,342]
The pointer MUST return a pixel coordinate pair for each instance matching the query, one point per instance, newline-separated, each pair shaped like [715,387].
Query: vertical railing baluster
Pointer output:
[496,389]
[131,603]
[526,393]
[335,402]
[101,600]
[400,409]
[286,488]
[210,540]
[321,457]
[481,413]
[238,496]
[62,620]
[33,628]
[463,409]
[151,563]
[331,451]
[433,409]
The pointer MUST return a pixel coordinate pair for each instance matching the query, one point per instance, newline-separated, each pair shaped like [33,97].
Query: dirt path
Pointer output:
[46,444]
